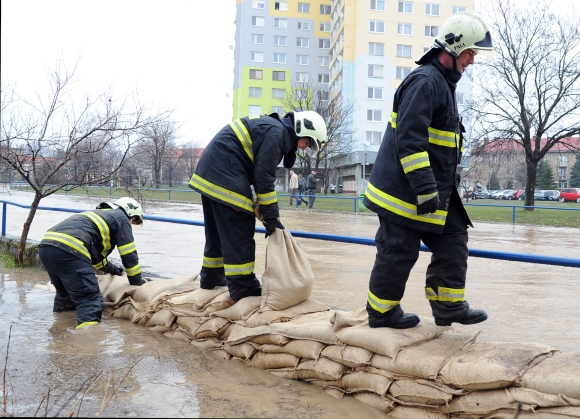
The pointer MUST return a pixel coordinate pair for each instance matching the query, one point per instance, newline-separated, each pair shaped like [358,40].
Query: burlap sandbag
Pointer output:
[209,343]
[243,350]
[178,334]
[308,349]
[212,328]
[318,331]
[357,381]
[287,278]
[413,391]
[268,317]
[241,310]
[195,302]
[483,403]
[352,327]
[374,400]
[535,398]
[267,339]
[351,356]
[408,412]
[220,353]
[163,317]
[323,369]
[559,374]
[274,361]
[126,311]
[491,365]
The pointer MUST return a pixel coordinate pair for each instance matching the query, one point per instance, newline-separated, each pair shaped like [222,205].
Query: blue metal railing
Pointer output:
[487,254]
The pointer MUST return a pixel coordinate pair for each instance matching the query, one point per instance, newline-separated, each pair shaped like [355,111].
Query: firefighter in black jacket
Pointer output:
[245,154]
[413,185]
[70,250]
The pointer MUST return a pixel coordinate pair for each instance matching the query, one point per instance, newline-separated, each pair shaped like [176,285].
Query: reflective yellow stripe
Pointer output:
[134,270]
[244,137]
[101,264]
[254,116]
[380,305]
[415,161]
[450,295]
[70,241]
[103,229]
[393,119]
[424,198]
[242,269]
[127,248]
[402,208]
[212,262]
[267,198]
[443,138]
[222,194]
[430,294]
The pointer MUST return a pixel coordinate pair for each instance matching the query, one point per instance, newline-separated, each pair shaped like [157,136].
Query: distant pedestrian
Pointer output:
[311,185]
[293,186]
[301,191]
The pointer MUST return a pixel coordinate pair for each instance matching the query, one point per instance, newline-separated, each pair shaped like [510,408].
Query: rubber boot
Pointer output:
[471,316]
[394,319]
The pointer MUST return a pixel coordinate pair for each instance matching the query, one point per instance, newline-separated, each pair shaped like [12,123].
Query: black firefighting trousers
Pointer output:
[76,284]
[230,251]
[398,250]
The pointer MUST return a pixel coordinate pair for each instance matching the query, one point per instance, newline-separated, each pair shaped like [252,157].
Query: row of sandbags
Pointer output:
[423,372]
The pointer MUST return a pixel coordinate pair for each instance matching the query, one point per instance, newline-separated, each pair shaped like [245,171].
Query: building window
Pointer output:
[304,7]
[431,31]
[323,95]
[302,77]
[278,93]
[324,43]
[457,9]
[375,93]
[324,9]
[404,29]
[405,7]
[302,59]
[257,38]
[279,75]
[279,58]
[374,115]
[258,21]
[303,25]
[255,92]
[402,72]
[324,26]
[257,56]
[254,110]
[377,26]
[278,109]
[280,40]
[431,9]
[404,51]
[378,5]
[281,5]
[375,70]
[323,78]
[374,137]
[281,23]
[323,61]
[256,74]
[258,4]
[301,94]
[302,42]
[376,48]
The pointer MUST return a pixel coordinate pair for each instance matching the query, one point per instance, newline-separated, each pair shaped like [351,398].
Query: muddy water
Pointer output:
[525,303]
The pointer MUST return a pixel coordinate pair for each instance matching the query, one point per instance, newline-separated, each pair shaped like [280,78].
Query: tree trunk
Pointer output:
[530,183]
[26,228]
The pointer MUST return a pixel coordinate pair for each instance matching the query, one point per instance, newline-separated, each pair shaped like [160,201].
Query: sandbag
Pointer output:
[317,331]
[483,403]
[323,369]
[492,365]
[269,339]
[287,314]
[241,310]
[195,302]
[177,333]
[559,374]
[287,278]
[214,327]
[308,349]
[535,398]
[413,391]
[243,350]
[126,311]
[273,361]
[149,290]
[375,401]
[351,356]
[162,317]
[408,412]
[209,343]
[357,381]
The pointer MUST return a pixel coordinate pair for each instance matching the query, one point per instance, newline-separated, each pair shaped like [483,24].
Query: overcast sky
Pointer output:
[176,54]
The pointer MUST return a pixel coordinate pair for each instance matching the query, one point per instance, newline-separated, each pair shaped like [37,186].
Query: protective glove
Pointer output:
[115,269]
[272,224]
[427,202]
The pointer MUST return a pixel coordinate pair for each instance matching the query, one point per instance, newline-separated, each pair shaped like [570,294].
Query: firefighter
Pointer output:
[74,248]
[413,185]
[242,156]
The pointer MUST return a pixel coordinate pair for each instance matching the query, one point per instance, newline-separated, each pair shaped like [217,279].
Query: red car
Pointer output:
[570,194]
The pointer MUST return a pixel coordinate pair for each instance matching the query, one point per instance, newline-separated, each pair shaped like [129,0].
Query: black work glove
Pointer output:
[427,202]
[115,269]
[272,224]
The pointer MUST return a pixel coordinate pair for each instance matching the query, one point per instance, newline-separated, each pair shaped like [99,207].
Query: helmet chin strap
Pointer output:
[455,75]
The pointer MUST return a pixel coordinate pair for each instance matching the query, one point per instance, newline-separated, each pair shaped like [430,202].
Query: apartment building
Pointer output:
[278,44]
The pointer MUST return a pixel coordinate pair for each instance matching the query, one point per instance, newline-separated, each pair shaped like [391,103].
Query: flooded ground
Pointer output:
[48,358]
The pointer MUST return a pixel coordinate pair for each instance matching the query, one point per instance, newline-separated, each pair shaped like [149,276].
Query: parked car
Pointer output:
[551,195]
[570,194]
[508,194]
[480,193]
[496,194]
[519,193]
[332,188]
[538,195]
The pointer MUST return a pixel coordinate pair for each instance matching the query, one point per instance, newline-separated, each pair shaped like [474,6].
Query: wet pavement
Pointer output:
[525,303]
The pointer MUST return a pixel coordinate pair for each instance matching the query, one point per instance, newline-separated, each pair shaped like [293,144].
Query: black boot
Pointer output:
[394,319]
[471,316]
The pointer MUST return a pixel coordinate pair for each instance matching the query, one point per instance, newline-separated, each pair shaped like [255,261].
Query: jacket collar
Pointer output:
[451,76]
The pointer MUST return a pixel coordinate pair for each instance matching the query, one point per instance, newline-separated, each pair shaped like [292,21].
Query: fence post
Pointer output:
[4,208]
[514,214]
[355,203]
[169,194]
[87,191]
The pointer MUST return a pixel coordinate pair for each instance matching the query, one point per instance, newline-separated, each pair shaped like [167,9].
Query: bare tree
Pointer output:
[190,153]
[337,114]
[529,94]
[56,142]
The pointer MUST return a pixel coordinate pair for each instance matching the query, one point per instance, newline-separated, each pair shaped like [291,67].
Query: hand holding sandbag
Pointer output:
[272,224]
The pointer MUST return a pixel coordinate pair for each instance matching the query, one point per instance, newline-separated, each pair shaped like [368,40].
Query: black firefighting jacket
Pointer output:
[420,151]
[243,154]
[93,235]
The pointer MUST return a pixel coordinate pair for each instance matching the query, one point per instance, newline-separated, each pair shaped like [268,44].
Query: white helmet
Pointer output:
[463,31]
[132,208]
[310,124]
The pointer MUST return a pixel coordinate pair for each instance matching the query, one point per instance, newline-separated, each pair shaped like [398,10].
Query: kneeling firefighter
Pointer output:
[242,156]
[74,248]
